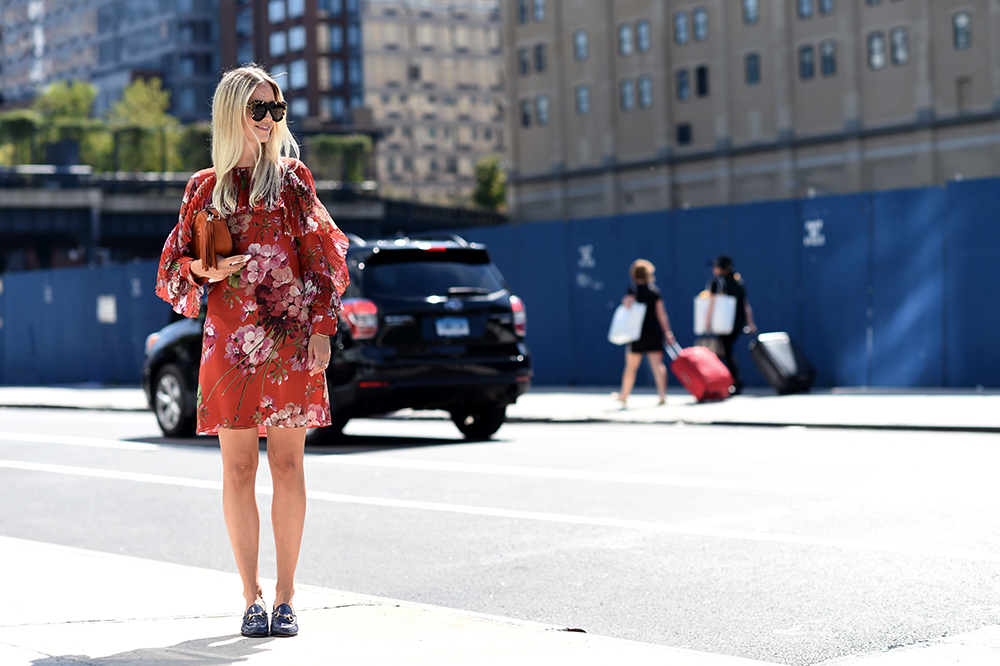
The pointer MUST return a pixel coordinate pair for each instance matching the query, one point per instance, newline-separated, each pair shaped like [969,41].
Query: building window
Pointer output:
[753,69]
[583,100]
[451,165]
[276,44]
[645,92]
[581,45]
[244,23]
[701,81]
[279,70]
[681,28]
[684,134]
[276,11]
[542,109]
[899,44]
[186,100]
[432,132]
[828,57]
[522,11]
[825,6]
[244,54]
[335,7]
[700,21]
[807,63]
[627,87]
[298,107]
[805,8]
[683,85]
[643,37]
[962,28]
[337,73]
[353,36]
[540,57]
[625,45]
[352,9]
[525,113]
[354,71]
[298,75]
[296,8]
[539,10]
[524,61]
[297,38]
[751,12]
[876,50]
[336,38]
[407,164]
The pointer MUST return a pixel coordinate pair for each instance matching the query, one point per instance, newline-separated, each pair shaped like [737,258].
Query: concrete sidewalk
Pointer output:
[66,607]
[918,409]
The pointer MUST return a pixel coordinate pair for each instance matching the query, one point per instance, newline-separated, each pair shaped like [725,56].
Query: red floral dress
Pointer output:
[255,345]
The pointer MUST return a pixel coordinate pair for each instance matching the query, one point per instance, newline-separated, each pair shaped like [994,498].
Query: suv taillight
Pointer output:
[520,316]
[362,318]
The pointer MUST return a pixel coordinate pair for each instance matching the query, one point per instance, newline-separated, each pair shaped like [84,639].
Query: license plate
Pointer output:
[452,327]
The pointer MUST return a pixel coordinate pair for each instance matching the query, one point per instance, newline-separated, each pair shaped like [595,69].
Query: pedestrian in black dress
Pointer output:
[650,343]
[727,281]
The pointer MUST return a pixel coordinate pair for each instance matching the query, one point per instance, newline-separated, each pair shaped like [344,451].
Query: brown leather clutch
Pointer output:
[210,237]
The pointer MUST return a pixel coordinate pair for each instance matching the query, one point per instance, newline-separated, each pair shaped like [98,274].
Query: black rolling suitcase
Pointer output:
[783,365]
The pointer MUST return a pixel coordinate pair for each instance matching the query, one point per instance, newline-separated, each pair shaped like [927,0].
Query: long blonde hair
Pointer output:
[228,139]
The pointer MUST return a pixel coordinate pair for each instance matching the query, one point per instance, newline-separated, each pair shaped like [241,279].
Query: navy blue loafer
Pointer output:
[283,621]
[254,622]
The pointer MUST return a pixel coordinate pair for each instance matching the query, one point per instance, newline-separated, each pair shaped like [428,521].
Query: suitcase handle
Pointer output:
[673,351]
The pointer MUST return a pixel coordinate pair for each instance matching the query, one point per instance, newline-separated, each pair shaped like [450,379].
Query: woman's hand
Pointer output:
[628,300]
[319,353]
[225,267]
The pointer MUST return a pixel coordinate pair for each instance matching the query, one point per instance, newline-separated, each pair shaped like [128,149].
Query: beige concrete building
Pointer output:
[621,106]
[433,79]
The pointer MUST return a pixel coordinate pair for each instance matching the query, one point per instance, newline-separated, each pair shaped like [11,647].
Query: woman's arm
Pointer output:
[661,315]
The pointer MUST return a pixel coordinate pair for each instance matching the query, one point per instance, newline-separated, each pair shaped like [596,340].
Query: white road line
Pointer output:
[586,475]
[77,441]
[648,526]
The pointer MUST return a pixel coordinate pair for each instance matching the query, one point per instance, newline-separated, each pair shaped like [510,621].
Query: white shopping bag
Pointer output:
[723,314]
[626,324]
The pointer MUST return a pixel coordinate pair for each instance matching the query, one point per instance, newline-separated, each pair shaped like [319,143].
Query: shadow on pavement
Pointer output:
[317,443]
[199,652]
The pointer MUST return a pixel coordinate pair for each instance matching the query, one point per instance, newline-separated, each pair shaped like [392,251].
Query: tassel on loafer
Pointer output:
[283,621]
[254,622]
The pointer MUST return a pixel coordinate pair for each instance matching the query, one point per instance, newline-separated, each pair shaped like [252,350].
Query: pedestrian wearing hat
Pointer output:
[729,282]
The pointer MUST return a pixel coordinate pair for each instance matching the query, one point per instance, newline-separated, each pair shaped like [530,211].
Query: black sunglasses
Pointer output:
[259,108]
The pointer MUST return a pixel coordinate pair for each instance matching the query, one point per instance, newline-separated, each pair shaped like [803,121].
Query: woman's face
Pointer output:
[258,131]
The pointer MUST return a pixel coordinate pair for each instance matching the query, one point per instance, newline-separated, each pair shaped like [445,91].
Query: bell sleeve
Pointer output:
[322,249]
[174,282]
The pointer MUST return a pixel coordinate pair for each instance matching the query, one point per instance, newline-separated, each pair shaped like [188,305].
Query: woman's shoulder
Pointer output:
[199,177]
[294,165]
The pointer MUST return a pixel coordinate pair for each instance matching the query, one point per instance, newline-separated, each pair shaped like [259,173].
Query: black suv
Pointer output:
[427,324]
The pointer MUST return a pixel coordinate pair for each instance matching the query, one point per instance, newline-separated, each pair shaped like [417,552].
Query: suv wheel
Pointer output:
[479,421]
[173,403]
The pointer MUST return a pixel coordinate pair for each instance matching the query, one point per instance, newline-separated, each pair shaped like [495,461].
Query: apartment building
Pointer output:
[624,106]
[110,43]
[434,82]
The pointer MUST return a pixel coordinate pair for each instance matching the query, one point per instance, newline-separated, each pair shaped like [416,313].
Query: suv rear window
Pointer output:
[407,273]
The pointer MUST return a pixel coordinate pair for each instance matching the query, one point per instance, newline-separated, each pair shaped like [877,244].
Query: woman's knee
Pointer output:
[286,465]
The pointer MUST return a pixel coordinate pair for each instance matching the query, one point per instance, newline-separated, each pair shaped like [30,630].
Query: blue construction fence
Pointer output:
[886,289]
[73,325]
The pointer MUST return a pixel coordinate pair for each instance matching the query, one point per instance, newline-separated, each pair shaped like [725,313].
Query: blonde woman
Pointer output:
[655,329]
[272,308]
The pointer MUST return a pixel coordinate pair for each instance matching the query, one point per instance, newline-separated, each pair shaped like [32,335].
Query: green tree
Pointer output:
[145,135]
[491,183]
[65,109]
[20,130]
[341,157]
[195,147]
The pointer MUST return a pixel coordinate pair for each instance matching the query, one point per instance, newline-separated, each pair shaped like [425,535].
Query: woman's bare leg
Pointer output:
[659,374]
[632,361]
[285,451]
[240,455]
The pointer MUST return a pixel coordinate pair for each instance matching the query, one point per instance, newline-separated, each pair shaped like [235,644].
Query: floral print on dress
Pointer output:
[254,368]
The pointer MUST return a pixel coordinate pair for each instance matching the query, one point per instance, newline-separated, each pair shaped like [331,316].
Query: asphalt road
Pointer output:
[789,545]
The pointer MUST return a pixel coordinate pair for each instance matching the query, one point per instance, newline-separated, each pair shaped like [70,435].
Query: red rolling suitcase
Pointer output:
[700,372]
